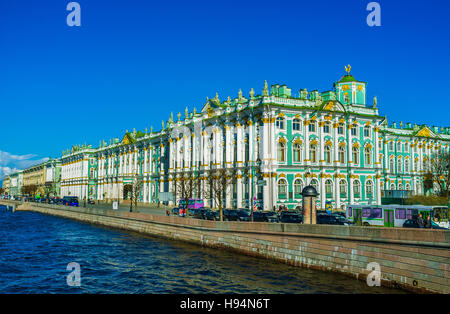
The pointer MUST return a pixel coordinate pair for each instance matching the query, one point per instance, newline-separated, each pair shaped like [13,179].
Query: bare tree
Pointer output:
[136,188]
[217,183]
[437,173]
[185,186]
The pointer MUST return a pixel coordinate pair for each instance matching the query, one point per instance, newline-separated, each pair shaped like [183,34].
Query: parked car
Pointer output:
[412,223]
[230,215]
[271,217]
[330,219]
[209,214]
[340,214]
[243,215]
[70,201]
[290,217]
[175,211]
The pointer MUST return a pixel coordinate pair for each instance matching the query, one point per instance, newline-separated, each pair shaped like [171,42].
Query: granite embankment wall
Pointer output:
[412,259]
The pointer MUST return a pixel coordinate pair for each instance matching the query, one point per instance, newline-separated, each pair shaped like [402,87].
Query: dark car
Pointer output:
[230,215]
[340,214]
[330,219]
[209,214]
[91,201]
[271,217]
[412,223]
[175,211]
[243,215]
[197,213]
[290,217]
[70,201]
[258,216]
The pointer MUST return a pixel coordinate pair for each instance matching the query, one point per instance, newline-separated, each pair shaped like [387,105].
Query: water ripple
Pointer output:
[35,250]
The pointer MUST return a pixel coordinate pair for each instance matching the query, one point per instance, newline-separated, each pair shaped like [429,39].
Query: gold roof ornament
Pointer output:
[252,93]
[179,116]
[195,110]
[265,89]
[240,94]
[347,69]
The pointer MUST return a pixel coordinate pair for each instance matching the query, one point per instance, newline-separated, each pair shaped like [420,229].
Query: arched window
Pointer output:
[281,152]
[356,188]
[369,188]
[343,188]
[399,165]
[282,188]
[407,187]
[355,151]
[297,151]
[298,187]
[327,154]
[315,184]
[313,153]
[341,154]
[296,125]
[329,188]
[400,186]
[392,186]
[368,155]
[280,123]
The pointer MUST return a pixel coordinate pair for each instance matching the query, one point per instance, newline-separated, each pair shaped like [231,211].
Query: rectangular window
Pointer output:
[340,129]
[353,130]
[400,213]
[366,212]
[375,213]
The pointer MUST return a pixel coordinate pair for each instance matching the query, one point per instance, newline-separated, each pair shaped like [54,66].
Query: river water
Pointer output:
[35,250]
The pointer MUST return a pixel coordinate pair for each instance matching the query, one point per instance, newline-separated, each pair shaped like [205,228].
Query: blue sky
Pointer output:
[133,62]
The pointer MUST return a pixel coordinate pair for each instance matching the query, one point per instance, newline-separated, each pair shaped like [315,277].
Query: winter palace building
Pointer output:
[273,143]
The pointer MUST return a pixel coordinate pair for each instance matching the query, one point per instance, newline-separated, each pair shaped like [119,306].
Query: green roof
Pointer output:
[349,78]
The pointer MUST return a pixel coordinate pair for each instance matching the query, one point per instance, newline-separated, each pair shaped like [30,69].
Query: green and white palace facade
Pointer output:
[332,140]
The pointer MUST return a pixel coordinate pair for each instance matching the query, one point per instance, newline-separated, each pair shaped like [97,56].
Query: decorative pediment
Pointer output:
[425,132]
[333,106]
[127,139]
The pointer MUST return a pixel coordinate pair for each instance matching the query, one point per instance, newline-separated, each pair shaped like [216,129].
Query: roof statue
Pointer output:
[375,101]
[179,116]
[252,93]
[186,113]
[171,117]
[151,129]
[195,110]
[240,94]
[265,89]
[162,122]
[347,69]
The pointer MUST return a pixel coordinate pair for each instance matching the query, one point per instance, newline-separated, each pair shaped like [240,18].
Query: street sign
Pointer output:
[115,205]
[262,182]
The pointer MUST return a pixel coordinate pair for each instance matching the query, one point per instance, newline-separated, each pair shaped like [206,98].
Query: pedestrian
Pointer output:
[168,212]
[428,222]
[420,221]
